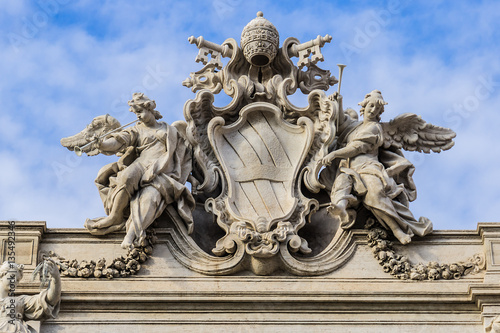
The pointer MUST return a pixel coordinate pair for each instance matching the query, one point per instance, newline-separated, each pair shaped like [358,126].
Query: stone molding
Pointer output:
[355,296]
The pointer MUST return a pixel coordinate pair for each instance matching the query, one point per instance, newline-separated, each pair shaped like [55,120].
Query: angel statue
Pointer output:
[14,310]
[371,169]
[151,173]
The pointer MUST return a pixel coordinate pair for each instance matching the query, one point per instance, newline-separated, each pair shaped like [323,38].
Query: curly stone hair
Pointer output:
[143,101]
[7,266]
[374,96]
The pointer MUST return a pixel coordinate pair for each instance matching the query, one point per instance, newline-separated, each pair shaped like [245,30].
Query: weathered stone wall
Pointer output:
[357,297]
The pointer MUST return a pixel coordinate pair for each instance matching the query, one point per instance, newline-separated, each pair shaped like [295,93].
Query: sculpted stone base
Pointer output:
[357,297]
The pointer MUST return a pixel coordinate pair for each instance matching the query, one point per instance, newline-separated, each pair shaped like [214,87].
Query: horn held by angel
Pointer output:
[154,165]
[370,169]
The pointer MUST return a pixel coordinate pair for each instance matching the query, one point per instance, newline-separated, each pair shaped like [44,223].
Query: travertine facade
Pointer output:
[357,297]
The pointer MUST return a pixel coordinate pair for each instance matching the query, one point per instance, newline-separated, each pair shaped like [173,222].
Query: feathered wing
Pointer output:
[181,127]
[412,133]
[99,126]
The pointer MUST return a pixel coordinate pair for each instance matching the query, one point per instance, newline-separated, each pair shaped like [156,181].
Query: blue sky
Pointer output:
[65,62]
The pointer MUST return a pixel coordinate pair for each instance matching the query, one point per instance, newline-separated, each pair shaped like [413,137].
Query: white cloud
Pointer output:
[69,73]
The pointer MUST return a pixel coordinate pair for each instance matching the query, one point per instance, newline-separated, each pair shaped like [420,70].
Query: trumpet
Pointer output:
[79,150]
[341,69]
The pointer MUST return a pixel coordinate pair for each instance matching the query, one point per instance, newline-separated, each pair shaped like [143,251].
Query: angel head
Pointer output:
[142,102]
[10,274]
[373,105]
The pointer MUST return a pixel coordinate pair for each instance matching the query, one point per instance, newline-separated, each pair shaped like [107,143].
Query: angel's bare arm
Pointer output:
[353,149]
[342,116]
[110,145]
[54,289]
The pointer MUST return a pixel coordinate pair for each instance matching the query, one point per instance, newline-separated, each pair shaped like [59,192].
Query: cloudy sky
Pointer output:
[65,62]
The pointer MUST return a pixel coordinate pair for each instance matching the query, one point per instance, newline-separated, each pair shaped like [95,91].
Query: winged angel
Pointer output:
[154,165]
[371,169]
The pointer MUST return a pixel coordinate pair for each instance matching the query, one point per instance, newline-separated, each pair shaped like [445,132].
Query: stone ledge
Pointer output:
[355,297]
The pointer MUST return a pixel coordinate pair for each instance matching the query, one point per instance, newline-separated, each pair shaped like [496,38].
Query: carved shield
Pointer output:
[261,155]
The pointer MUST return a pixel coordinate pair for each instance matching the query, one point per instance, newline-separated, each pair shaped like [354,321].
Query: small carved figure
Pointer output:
[151,174]
[14,310]
[373,170]
[494,326]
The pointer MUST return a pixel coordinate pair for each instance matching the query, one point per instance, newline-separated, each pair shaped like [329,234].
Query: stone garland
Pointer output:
[400,267]
[391,262]
[120,267]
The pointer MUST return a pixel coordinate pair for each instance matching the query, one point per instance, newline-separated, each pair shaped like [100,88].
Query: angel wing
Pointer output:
[181,127]
[412,133]
[99,126]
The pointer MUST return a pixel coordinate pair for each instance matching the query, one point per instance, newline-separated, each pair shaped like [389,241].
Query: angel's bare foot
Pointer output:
[339,212]
[128,241]
[91,224]
[108,221]
[125,245]
[402,237]
[351,219]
